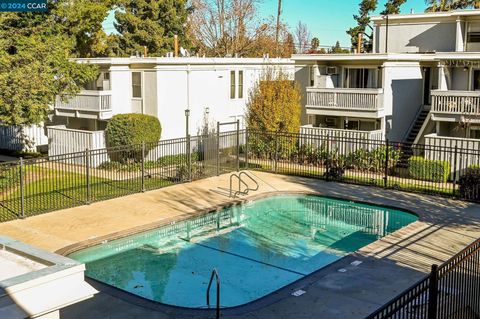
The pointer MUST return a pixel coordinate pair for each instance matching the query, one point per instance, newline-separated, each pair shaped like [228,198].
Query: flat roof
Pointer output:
[406,57]
[186,61]
[428,15]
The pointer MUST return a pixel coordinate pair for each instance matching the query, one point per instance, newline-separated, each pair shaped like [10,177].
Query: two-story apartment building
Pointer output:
[421,83]
[163,87]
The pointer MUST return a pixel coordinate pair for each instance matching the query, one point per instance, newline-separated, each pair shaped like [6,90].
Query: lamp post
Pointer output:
[187,121]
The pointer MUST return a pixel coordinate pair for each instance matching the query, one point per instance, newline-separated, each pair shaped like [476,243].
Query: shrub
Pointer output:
[428,170]
[470,183]
[132,129]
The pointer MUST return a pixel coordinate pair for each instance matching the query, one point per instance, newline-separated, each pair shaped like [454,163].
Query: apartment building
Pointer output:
[163,87]
[421,83]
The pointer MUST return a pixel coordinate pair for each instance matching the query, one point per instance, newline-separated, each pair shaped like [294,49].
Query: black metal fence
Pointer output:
[451,290]
[35,186]
[426,169]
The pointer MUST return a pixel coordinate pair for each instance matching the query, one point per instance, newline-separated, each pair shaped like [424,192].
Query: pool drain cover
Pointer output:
[298,293]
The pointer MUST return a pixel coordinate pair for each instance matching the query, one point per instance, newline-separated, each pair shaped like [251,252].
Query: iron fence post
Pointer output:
[327,162]
[433,293]
[454,190]
[189,158]
[246,149]
[238,145]
[218,148]
[275,156]
[87,175]
[143,167]
[22,189]
[385,178]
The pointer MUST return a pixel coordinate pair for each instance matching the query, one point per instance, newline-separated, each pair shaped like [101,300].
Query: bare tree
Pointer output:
[228,27]
[302,37]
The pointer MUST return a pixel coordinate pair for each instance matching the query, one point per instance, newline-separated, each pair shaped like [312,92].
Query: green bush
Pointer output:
[428,170]
[470,183]
[132,129]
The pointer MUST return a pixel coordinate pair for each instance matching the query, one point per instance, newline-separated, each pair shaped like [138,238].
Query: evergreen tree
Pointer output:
[151,24]
[338,49]
[34,63]
[447,5]
[393,6]
[363,19]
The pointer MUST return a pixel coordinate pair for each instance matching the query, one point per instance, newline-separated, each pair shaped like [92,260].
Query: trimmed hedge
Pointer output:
[133,129]
[470,183]
[428,170]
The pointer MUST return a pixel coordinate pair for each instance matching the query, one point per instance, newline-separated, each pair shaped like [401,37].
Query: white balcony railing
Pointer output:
[345,99]
[91,101]
[345,141]
[456,102]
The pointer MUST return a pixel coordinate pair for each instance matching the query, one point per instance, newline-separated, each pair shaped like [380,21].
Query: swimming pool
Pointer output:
[257,247]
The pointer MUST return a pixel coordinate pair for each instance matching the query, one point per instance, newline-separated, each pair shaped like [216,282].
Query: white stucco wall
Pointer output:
[121,87]
[403,96]
[416,37]
[209,88]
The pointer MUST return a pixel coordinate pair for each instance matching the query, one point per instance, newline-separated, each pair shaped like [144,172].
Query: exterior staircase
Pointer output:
[407,150]
[412,135]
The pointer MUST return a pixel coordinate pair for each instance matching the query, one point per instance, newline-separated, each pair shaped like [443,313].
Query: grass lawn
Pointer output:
[48,190]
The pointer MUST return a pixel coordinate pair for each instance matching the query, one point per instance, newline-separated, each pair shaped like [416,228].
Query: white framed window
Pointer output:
[240,84]
[311,76]
[137,85]
[232,85]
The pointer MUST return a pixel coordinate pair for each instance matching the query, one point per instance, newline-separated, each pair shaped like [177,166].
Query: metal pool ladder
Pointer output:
[217,279]
[242,182]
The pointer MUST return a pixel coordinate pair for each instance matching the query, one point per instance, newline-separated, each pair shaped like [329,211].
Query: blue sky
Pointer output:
[327,19]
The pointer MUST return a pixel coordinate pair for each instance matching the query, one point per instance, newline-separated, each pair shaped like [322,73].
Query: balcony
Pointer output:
[340,101]
[86,104]
[455,104]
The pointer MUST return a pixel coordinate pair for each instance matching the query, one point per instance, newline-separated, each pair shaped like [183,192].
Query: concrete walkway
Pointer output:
[389,266]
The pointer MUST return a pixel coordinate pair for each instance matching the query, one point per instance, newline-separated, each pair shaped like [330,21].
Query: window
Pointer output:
[106,76]
[240,84]
[137,84]
[361,78]
[232,84]
[476,80]
[475,132]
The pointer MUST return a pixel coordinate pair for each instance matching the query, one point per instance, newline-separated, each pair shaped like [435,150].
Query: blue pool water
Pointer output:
[257,248]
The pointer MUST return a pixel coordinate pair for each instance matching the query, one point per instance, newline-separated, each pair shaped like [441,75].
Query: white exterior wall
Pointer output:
[209,87]
[121,87]
[416,37]
[403,92]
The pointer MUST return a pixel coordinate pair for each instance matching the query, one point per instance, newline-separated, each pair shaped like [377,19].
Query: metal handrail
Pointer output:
[252,179]
[239,185]
[217,279]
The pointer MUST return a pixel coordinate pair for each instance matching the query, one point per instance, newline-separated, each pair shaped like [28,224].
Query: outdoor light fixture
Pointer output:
[465,69]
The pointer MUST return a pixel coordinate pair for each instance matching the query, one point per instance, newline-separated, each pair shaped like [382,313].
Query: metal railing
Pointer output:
[217,279]
[240,183]
[34,186]
[345,99]
[451,290]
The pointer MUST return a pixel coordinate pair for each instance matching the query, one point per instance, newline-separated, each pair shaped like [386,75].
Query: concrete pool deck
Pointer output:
[389,265]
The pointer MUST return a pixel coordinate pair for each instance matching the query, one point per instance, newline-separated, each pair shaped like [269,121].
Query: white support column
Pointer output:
[442,78]
[316,75]
[459,44]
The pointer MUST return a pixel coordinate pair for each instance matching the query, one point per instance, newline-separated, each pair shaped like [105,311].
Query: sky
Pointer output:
[326,19]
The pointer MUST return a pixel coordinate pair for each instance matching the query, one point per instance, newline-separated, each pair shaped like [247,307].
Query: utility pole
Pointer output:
[277,35]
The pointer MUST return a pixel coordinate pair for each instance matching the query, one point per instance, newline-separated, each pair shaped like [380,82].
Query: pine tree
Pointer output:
[34,63]
[393,6]
[363,19]
[151,24]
